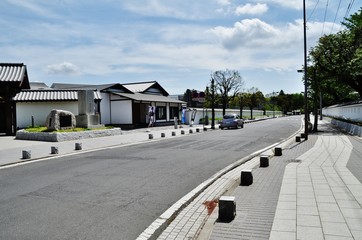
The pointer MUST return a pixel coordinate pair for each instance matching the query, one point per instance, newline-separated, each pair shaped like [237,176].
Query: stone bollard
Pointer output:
[278,151]
[54,150]
[227,208]
[26,154]
[297,139]
[173,133]
[182,132]
[191,131]
[198,130]
[264,161]
[78,146]
[163,135]
[150,136]
[246,178]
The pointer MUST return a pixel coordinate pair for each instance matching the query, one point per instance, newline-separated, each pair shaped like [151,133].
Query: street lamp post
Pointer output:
[305,74]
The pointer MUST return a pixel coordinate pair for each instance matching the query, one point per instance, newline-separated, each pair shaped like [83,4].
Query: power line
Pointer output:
[325,16]
[313,11]
[335,17]
[349,8]
[347,12]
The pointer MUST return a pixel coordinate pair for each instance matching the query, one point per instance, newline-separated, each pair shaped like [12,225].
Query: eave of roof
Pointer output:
[110,87]
[149,98]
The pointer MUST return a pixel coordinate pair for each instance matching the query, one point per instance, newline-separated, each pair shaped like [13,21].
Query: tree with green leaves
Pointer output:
[228,83]
[338,58]
[253,98]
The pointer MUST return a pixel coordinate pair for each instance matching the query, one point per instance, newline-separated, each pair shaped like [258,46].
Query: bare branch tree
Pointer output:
[228,84]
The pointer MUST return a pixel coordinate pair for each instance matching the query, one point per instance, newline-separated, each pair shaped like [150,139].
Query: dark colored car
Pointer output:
[231,121]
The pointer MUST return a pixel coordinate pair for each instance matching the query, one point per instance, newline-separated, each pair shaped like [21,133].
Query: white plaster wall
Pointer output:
[353,112]
[121,112]
[218,114]
[40,111]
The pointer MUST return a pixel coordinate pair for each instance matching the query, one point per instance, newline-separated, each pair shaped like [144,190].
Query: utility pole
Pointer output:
[305,74]
[212,103]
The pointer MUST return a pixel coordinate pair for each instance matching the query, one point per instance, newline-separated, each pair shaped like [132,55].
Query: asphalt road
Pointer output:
[117,193]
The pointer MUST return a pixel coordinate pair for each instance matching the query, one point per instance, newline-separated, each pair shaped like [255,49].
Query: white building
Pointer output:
[117,104]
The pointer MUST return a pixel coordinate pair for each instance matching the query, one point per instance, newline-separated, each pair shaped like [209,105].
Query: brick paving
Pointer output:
[256,204]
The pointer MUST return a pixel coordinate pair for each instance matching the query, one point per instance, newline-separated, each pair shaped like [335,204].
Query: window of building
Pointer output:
[161,113]
[174,112]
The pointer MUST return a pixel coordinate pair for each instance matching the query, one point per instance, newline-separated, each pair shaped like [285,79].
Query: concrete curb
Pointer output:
[161,223]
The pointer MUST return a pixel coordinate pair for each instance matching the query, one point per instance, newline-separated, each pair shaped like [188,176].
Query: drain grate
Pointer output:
[294,161]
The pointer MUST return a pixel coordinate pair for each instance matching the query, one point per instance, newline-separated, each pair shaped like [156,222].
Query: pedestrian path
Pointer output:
[307,193]
[322,197]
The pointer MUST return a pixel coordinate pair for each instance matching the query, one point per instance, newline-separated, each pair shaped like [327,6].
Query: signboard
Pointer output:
[198,97]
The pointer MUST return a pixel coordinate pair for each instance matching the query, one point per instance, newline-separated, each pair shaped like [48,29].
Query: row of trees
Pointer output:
[334,71]
[226,91]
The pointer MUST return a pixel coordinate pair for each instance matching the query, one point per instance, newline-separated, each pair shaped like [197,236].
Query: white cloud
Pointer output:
[65,68]
[248,32]
[223,2]
[250,9]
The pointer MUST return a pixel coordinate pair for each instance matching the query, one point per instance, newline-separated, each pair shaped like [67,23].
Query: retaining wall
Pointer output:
[66,136]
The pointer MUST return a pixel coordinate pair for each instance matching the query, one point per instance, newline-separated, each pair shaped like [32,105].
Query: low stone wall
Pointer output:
[66,136]
[348,127]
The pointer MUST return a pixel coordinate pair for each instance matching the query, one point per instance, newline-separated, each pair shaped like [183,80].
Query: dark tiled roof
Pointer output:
[50,95]
[14,73]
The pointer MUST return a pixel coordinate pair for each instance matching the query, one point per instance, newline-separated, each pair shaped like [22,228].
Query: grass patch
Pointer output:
[44,129]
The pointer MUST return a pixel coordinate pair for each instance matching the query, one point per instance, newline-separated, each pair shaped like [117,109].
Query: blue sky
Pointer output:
[178,43]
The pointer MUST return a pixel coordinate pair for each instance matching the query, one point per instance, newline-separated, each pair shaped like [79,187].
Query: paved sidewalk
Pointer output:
[320,198]
[310,192]
[11,148]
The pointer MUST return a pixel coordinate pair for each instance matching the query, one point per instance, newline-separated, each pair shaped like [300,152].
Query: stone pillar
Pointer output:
[85,102]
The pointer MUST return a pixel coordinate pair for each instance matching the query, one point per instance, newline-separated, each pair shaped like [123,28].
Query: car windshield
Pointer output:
[229,117]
